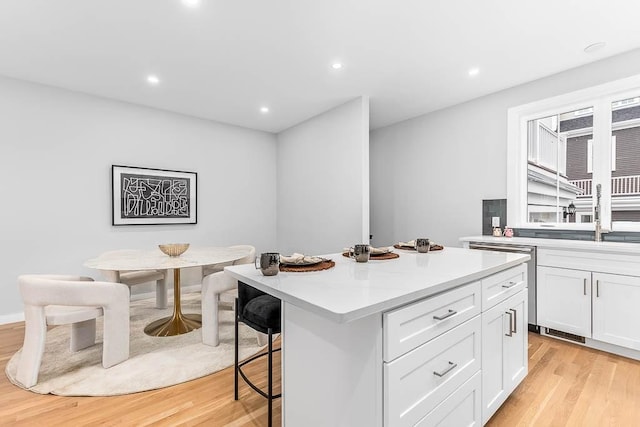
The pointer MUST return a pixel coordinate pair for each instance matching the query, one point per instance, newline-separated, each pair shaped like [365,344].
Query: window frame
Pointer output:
[599,97]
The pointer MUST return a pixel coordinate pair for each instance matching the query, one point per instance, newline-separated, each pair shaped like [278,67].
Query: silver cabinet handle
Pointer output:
[585,287]
[444,316]
[515,320]
[446,371]
[510,334]
[597,288]
[512,284]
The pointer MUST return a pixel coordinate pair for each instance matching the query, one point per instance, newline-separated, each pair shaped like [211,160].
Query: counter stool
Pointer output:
[261,312]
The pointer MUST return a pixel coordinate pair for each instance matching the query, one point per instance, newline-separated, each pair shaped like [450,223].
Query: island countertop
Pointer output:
[352,290]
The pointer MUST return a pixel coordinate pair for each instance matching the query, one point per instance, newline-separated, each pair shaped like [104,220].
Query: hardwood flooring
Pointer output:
[207,401]
[567,385]
[571,385]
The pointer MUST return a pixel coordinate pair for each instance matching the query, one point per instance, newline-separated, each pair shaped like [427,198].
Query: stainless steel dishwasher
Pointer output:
[531,272]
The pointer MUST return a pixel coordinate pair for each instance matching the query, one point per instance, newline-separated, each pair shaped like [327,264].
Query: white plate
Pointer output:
[304,262]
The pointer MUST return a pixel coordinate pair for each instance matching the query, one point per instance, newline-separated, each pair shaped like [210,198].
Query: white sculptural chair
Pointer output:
[137,277]
[60,299]
[212,286]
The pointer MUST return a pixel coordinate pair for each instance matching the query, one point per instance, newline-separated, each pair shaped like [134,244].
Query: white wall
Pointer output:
[430,174]
[56,152]
[323,181]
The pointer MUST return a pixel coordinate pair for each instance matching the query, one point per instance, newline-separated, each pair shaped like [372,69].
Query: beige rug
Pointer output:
[154,362]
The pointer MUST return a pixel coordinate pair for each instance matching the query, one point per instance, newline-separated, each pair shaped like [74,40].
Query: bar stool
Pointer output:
[261,312]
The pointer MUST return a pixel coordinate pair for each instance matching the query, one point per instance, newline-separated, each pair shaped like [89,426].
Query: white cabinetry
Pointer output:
[578,294]
[564,300]
[504,351]
[454,358]
[616,309]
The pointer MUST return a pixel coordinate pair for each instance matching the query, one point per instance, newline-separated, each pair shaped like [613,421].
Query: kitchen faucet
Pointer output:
[598,233]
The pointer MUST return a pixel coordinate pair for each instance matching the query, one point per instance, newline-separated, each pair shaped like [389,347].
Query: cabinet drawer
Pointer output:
[502,285]
[462,408]
[414,384]
[409,327]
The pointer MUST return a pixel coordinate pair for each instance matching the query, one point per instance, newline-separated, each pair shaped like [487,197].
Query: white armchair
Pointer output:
[212,286]
[58,300]
[137,277]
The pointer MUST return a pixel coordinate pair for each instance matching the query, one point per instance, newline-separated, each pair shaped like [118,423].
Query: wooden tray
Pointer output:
[324,265]
[388,255]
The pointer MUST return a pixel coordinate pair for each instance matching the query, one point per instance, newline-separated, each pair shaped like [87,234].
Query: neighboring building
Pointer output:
[560,168]
[625,164]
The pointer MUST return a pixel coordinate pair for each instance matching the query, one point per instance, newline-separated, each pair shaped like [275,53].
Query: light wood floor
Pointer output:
[567,385]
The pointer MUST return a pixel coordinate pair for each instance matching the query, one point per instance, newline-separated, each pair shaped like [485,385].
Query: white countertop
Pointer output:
[581,245]
[351,290]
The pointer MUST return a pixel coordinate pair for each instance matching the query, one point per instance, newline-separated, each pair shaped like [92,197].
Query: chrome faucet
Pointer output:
[598,234]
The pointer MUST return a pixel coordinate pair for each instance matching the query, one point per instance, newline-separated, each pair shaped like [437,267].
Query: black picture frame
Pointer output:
[146,196]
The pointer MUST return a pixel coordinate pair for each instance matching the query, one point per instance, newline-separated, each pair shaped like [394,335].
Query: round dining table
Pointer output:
[114,262]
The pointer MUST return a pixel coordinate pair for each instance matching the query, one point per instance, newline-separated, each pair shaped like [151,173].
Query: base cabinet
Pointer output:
[564,300]
[601,306]
[504,351]
[616,309]
[453,359]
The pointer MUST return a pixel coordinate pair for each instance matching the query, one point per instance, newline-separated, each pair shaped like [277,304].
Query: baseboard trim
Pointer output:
[11,318]
[599,345]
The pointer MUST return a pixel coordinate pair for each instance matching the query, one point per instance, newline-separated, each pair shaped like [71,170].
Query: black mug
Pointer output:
[269,263]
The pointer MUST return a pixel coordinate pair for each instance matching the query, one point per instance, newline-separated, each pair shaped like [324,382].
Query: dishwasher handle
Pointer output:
[505,248]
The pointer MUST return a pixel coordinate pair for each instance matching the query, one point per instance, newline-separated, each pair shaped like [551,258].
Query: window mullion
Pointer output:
[602,158]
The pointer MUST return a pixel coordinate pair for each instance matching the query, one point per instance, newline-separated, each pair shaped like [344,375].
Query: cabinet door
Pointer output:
[504,351]
[616,309]
[516,346]
[564,300]
[495,325]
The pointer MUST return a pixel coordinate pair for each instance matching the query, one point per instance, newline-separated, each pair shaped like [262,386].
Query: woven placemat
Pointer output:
[388,255]
[324,265]
[409,248]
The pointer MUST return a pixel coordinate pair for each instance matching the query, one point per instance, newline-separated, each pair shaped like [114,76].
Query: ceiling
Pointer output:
[224,60]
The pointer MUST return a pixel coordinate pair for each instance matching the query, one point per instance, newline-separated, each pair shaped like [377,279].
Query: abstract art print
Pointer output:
[143,196]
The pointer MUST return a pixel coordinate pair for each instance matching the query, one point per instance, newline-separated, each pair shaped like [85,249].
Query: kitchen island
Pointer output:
[398,342]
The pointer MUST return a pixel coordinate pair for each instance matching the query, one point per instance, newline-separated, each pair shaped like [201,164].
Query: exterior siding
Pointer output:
[627,152]
[625,216]
[577,158]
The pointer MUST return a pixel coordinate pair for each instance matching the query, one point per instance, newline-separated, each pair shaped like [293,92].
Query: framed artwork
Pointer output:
[143,196]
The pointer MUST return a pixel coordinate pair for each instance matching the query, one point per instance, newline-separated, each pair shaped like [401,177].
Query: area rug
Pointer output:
[154,362]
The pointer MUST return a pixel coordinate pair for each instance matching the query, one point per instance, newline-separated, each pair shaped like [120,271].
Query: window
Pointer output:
[561,148]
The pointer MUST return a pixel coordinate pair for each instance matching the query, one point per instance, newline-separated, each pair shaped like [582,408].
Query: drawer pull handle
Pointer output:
[512,284]
[449,314]
[451,367]
[510,334]
[584,289]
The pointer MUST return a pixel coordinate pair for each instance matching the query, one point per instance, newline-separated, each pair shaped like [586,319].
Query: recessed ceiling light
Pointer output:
[264,110]
[153,80]
[336,65]
[191,3]
[594,47]
[474,71]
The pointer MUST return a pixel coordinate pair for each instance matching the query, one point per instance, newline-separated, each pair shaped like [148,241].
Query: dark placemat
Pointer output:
[409,248]
[388,255]
[324,265]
